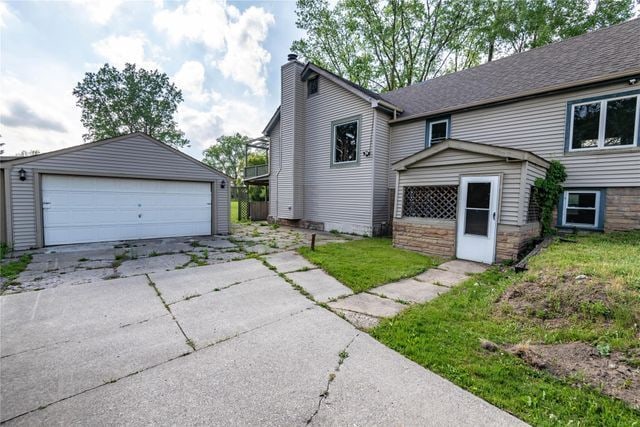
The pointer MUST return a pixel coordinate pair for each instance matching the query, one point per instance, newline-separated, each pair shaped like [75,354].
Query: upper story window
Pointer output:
[312,86]
[437,131]
[346,141]
[604,123]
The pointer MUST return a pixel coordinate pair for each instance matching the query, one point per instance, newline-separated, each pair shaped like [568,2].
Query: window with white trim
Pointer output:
[581,208]
[605,123]
[438,131]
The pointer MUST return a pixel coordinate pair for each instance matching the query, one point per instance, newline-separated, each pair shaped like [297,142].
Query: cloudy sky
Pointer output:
[225,57]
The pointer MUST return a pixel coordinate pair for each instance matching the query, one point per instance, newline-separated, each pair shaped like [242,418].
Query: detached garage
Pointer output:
[124,188]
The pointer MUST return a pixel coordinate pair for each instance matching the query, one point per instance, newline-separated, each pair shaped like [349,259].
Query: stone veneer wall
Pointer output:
[435,237]
[511,239]
[439,237]
[622,209]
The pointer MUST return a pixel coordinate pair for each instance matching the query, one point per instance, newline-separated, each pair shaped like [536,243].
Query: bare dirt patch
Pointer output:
[583,364]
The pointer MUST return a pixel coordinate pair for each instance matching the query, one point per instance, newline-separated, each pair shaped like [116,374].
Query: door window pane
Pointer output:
[478,194]
[438,132]
[476,222]
[620,123]
[586,122]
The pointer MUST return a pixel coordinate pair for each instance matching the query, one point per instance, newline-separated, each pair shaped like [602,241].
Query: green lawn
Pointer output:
[10,270]
[366,263]
[443,335]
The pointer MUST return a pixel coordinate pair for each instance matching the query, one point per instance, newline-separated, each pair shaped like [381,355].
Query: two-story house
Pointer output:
[449,163]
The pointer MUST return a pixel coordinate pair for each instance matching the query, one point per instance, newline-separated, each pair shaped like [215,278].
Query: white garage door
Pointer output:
[87,209]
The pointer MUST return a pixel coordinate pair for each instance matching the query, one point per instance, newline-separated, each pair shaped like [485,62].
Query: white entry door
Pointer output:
[78,209]
[478,218]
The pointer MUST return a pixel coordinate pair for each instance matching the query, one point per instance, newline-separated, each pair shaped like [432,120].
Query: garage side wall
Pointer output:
[133,157]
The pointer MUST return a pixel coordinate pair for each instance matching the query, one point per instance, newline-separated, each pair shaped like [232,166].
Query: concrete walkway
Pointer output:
[225,344]
[365,310]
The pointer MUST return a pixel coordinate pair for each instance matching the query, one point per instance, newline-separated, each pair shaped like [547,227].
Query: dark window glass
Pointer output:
[476,222]
[586,122]
[312,86]
[620,123]
[581,216]
[478,195]
[582,200]
[438,132]
[346,143]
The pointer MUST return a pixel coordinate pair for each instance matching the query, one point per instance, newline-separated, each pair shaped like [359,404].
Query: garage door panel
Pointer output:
[87,209]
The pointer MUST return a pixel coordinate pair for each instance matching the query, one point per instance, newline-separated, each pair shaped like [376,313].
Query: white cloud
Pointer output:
[234,39]
[5,15]
[100,11]
[225,117]
[190,78]
[118,50]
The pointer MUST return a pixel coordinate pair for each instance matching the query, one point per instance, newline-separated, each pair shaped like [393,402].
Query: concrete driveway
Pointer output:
[223,344]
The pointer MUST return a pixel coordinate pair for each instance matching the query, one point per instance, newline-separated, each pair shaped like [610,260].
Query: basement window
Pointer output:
[436,202]
[581,209]
[346,141]
[604,123]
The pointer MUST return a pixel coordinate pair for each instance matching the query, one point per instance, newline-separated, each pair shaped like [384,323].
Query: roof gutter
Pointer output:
[551,90]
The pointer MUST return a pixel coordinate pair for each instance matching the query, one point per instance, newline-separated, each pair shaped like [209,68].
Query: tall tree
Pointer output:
[228,155]
[387,44]
[117,102]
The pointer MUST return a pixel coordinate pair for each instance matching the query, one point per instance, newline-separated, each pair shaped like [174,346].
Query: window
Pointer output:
[346,141]
[581,209]
[438,202]
[437,131]
[312,86]
[604,123]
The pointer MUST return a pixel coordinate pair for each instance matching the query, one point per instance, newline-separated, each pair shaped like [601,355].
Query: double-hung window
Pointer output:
[346,141]
[437,131]
[581,208]
[604,123]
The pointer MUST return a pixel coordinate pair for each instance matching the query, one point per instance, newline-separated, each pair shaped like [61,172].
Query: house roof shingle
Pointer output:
[612,52]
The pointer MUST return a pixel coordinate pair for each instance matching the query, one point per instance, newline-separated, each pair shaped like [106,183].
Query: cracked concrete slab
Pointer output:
[377,386]
[410,290]
[219,315]
[270,376]
[34,319]
[441,277]
[320,285]
[30,279]
[178,284]
[371,305]
[40,377]
[152,264]
[359,320]
[463,267]
[287,262]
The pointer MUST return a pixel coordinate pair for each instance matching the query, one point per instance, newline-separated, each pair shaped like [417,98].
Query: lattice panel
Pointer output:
[533,211]
[438,202]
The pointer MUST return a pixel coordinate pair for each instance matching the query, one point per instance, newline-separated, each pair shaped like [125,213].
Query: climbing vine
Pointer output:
[547,193]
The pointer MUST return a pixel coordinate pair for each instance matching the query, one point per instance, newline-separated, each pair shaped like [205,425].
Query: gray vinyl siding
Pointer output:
[290,182]
[381,170]
[449,174]
[406,139]
[134,157]
[341,196]
[538,125]
[274,169]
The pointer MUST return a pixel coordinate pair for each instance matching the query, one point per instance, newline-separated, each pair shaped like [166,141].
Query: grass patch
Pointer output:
[4,250]
[366,263]
[445,335]
[10,270]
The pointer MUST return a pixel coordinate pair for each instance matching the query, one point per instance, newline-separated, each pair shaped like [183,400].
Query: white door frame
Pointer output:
[474,247]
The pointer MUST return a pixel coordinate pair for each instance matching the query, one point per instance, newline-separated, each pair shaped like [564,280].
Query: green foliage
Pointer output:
[117,102]
[4,249]
[366,263]
[387,44]
[444,334]
[227,155]
[10,270]
[547,192]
